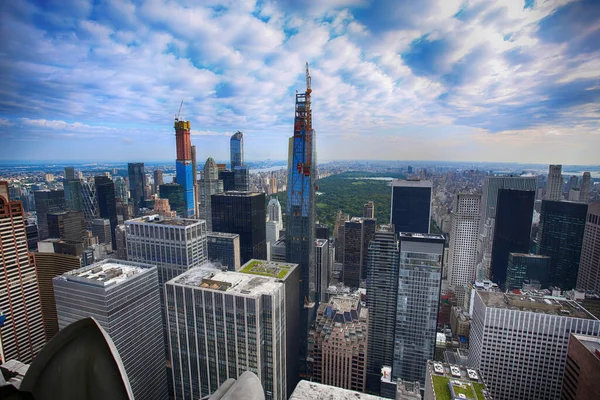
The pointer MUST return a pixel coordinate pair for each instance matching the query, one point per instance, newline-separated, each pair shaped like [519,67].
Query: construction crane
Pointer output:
[179,112]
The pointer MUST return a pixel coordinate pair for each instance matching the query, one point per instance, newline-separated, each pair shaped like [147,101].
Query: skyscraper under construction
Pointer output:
[300,210]
[183,168]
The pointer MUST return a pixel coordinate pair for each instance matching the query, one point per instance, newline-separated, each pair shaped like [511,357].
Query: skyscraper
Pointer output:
[237,150]
[419,285]
[47,201]
[137,181]
[174,193]
[523,267]
[584,191]
[158,179]
[353,252]
[274,209]
[209,185]
[512,229]
[338,343]
[224,249]
[588,277]
[101,229]
[411,206]
[22,334]
[369,227]
[124,298]
[560,236]
[338,235]
[382,295]
[322,267]
[67,225]
[581,380]
[240,321]
[369,210]
[242,213]
[107,204]
[183,166]
[504,330]
[195,181]
[463,242]
[554,186]
[300,209]
[69,173]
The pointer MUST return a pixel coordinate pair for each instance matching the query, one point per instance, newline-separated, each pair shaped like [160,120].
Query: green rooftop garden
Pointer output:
[442,390]
[257,267]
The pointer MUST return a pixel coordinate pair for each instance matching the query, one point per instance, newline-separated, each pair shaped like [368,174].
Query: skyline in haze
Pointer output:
[433,80]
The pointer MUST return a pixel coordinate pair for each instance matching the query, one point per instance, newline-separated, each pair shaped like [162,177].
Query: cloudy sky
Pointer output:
[475,80]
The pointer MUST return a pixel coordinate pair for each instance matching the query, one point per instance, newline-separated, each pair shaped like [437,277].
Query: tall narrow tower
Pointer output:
[300,210]
[183,168]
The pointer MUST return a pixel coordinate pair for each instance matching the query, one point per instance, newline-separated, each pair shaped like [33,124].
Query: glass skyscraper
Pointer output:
[411,206]
[137,181]
[526,266]
[107,204]
[237,150]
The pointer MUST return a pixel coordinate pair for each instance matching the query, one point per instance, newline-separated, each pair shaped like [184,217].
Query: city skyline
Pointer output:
[437,80]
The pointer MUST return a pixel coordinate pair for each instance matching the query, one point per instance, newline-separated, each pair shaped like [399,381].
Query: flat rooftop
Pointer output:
[306,390]
[452,381]
[591,343]
[106,273]
[530,255]
[158,220]
[222,235]
[345,302]
[539,304]
[272,269]
[412,183]
[409,235]
[239,193]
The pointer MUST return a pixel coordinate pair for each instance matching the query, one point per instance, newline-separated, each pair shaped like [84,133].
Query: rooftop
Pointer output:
[157,219]
[316,391]
[320,242]
[412,183]
[106,272]
[530,255]
[541,304]
[222,234]
[456,382]
[239,193]
[271,269]
[420,235]
[591,343]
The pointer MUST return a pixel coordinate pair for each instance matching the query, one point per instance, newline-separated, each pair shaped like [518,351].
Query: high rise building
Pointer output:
[463,242]
[322,231]
[54,258]
[121,249]
[522,267]
[382,294]
[224,249]
[554,186]
[240,321]
[241,178]
[195,182]
[237,150]
[47,201]
[492,184]
[227,176]
[89,201]
[411,206]
[67,225]
[101,230]
[183,166]
[447,381]
[137,181]
[503,322]
[107,204]
[124,299]
[419,286]
[174,193]
[300,209]
[369,228]
[584,191]
[242,213]
[73,194]
[209,184]
[69,173]
[512,229]
[274,209]
[353,252]
[560,236]
[369,210]
[582,370]
[338,343]
[158,179]
[22,334]
[588,277]
[339,234]
[163,208]
[323,269]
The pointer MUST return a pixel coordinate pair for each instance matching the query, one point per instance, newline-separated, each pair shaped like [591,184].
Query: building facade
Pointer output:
[588,277]
[554,186]
[322,266]
[502,323]
[224,249]
[522,267]
[46,202]
[101,230]
[183,166]
[582,369]
[22,335]
[67,225]
[584,190]
[174,193]
[209,185]
[369,210]
[105,290]
[107,204]
[411,206]
[353,252]
[137,182]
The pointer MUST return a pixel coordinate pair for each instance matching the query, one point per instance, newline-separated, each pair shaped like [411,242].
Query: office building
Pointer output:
[101,230]
[353,252]
[526,267]
[158,179]
[137,182]
[106,291]
[369,210]
[69,173]
[446,381]
[588,277]
[560,236]
[464,233]
[492,184]
[242,213]
[573,195]
[338,343]
[107,204]
[163,208]
[322,232]
[195,182]
[419,285]
[339,234]
[236,148]
[32,235]
[245,321]
[584,190]
[271,232]
[369,228]
[322,267]
[46,202]
[554,185]
[411,205]
[183,166]
[224,249]
[274,210]
[174,193]
[67,225]
[209,184]
[90,202]
[278,250]
[121,250]
[502,323]
[22,335]
[512,229]
[300,209]
[581,379]
[382,294]
[73,194]
[227,176]
[54,258]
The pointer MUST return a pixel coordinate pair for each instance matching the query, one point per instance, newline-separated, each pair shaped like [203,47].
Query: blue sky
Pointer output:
[475,80]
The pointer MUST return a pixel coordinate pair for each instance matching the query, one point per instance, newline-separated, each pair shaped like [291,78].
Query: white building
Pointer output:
[554,185]
[519,343]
